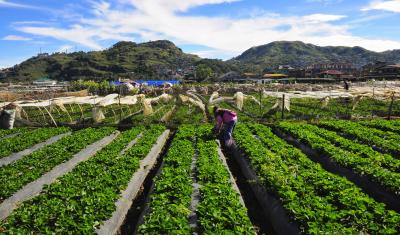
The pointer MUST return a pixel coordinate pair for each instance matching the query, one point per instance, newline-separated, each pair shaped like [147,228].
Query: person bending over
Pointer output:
[228,119]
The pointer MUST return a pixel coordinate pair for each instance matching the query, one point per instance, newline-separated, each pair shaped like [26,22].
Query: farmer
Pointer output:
[227,118]
[346,85]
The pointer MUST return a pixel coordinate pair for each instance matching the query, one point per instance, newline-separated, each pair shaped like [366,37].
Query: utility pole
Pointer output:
[391,107]
[283,106]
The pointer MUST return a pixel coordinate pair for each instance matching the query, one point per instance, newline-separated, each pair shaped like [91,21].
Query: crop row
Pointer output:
[81,200]
[219,210]
[387,141]
[187,115]
[362,150]
[170,200]
[6,132]
[381,168]
[27,139]
[14,176]
[319,201]
[384,125]
[158,113]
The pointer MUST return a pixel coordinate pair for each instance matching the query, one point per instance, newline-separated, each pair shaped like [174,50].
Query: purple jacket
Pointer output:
[227,117]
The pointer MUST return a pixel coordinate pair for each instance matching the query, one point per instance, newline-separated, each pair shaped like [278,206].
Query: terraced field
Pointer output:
[283,178]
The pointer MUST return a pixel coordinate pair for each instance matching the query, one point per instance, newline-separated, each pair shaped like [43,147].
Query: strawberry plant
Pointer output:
[219,210]
[170,200]
[5,132]
[27,139]
[384,125]
[387,141]
[80,200]
[14,176]
[319,201]
[381,168]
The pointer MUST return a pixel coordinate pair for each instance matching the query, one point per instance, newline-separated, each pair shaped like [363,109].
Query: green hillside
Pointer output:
[299,54]
[161,59]
[127,59]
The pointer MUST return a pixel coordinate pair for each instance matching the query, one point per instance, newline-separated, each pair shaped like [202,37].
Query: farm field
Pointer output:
[156,167]
[321,177]
[173,110]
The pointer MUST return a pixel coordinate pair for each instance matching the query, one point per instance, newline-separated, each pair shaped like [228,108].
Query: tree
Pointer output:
[203,72]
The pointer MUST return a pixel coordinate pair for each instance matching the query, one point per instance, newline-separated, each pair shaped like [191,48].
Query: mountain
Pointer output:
[160,59]
[299,54]
[125,59]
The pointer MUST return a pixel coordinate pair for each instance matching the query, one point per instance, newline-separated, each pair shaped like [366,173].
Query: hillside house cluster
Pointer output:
[320,72]
[3,73]
[381,70]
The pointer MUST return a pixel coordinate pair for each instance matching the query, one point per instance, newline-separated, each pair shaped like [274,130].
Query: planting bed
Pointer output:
[305,178]
[319,201]
[219,209]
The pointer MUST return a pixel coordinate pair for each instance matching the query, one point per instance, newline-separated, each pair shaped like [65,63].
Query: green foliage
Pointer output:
[80,200]
[319,201]
[98,88]
[14,176]
[170,200]
[124,59]
[6,132]
[386,140]
[299,54]
[219,210]
[382,168]
[203,72]
[27,139]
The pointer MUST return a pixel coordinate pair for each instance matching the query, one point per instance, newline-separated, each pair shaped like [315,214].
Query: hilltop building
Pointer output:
[381,70]
[3,74]
[336,70]
[232,76]
[44,82]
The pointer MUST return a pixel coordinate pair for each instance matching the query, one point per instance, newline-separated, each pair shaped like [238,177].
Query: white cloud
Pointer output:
[4,3]
[391,5]
[315,18]
[16,38]
[158,19]
[65,48]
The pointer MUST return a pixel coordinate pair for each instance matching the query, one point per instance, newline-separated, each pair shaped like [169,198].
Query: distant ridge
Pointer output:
[300,54]
[156,59]
[149,60]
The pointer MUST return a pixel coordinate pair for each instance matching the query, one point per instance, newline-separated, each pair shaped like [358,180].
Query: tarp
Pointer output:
[157,82]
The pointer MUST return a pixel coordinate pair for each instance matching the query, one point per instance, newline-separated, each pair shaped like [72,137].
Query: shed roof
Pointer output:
[274,75]
[332,72]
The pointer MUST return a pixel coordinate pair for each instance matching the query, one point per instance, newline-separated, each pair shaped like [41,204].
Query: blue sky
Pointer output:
[210,28]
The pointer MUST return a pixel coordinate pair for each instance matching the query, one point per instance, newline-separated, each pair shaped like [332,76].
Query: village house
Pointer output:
[3,73]
[381,70]
[331,69]
[44,82]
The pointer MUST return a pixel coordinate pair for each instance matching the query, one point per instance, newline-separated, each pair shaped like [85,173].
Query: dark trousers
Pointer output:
[228,130]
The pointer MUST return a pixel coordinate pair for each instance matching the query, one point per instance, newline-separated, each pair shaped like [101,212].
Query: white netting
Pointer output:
[189,100]
[214,96]
[325,102]
[279,104]
[250,97]
[129,100]
[7,118]
[356,101]
[147,108]
[98,115]
[239,100]
[108,100]
[164,98]
[287,103]
[167,116]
